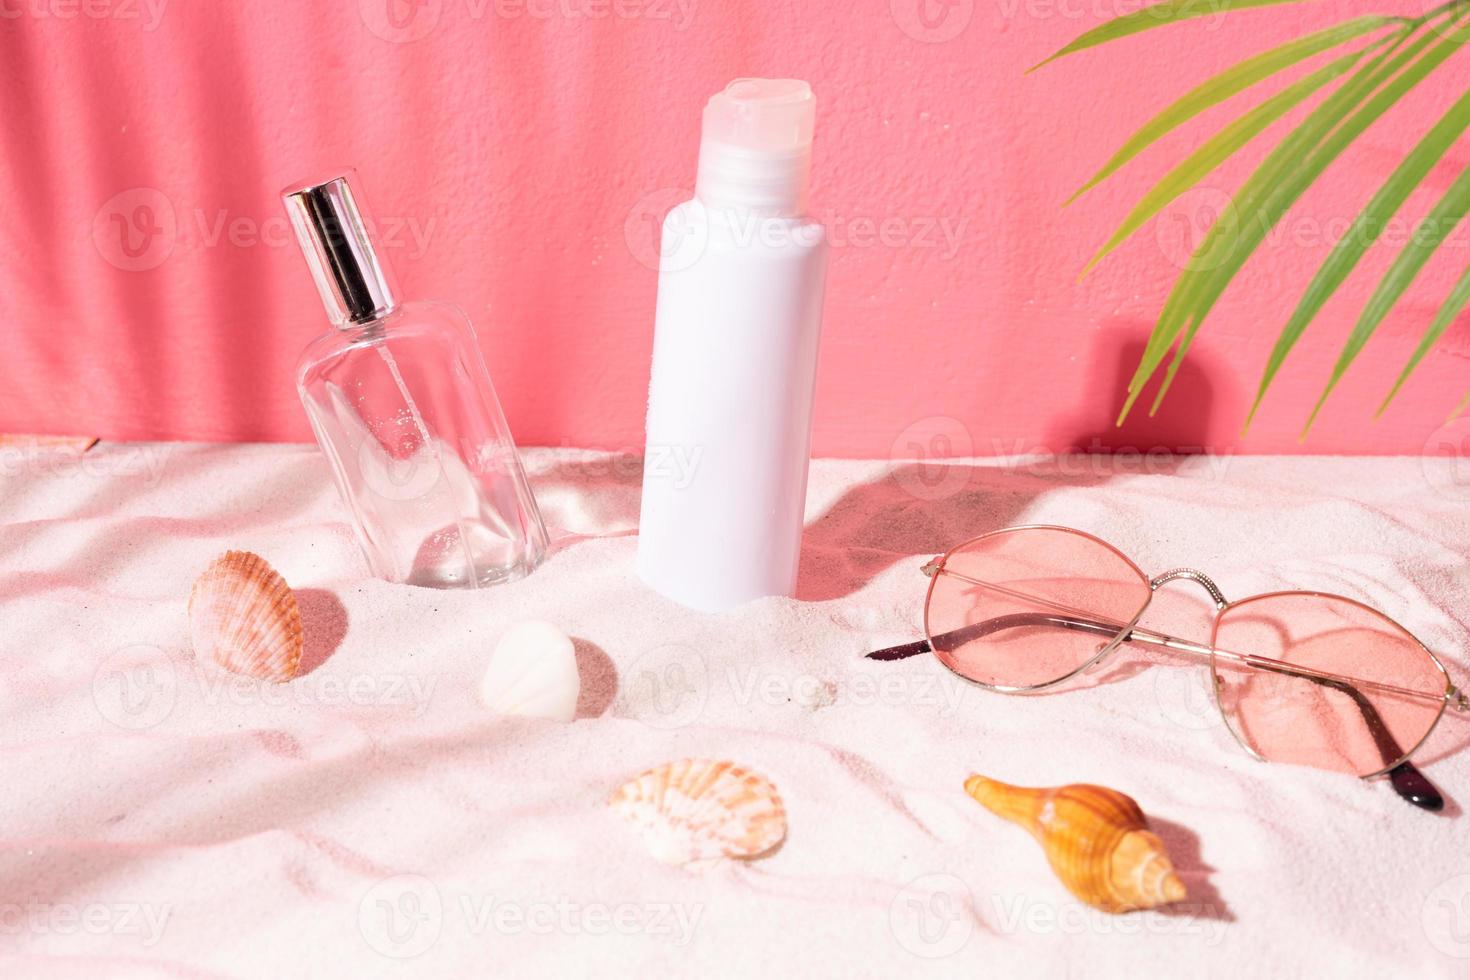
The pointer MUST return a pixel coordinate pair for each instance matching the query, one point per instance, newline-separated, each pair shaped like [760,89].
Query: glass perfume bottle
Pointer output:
[401,403]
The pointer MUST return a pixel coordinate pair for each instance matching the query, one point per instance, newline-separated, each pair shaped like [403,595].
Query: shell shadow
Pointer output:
[599,676]
[1204,900]
[323,626]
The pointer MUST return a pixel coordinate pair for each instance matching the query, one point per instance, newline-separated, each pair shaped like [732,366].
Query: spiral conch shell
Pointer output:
[244,617]
[1096,839]
[696,811]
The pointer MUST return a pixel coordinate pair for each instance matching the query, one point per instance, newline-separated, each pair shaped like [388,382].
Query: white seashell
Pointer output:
[696,811]
[533,672]
[244,617]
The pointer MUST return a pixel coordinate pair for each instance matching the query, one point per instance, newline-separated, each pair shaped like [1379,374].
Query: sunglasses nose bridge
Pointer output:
[1193,575]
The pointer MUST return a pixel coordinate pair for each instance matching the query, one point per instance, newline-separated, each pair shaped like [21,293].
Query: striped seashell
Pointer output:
[1097,840]
[243,616]
[696,811]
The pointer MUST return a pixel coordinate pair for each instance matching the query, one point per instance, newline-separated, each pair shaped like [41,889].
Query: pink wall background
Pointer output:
[519,152]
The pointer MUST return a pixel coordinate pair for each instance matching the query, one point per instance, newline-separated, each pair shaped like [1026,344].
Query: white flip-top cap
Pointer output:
[756,146]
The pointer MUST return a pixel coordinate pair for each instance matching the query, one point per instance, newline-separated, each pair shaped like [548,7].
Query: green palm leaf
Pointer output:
[1222,238]
[1453,304]
[1230,240]
[1426,239]
[1157,15]
[1281,181]
[1220,148]
[1222,86]
[1364,232]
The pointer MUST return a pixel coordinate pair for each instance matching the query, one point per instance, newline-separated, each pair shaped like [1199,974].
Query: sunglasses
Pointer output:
[1303,677]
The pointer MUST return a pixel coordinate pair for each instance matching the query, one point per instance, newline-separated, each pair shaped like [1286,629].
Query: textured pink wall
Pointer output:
[518,153]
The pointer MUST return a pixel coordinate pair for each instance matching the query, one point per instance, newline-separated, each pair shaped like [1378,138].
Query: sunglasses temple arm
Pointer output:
[1405,778]
[976,631]
[1407,781]
[902,652]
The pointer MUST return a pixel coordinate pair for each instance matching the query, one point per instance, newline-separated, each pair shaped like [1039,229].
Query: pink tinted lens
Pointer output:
[1360,727]
[1029,606]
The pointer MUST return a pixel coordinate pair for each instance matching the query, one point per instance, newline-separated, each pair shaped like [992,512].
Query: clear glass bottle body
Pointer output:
[403,408]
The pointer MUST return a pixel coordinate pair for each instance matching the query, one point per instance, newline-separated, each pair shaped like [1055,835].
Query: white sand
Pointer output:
[370,819]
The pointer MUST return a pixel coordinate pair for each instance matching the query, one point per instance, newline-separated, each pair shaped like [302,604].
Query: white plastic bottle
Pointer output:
[739,315]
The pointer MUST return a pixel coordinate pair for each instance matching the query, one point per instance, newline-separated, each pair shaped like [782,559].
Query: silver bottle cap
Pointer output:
[329,222]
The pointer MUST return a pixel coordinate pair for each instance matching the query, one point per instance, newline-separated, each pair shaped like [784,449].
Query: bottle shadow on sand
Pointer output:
[929,505]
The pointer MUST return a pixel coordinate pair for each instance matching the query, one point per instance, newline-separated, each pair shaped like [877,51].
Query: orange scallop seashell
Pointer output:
[244,617]
[696,811]
[1097,840]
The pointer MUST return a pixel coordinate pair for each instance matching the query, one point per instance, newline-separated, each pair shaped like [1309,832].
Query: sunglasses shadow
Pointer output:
[1122,664]
[1204,900]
